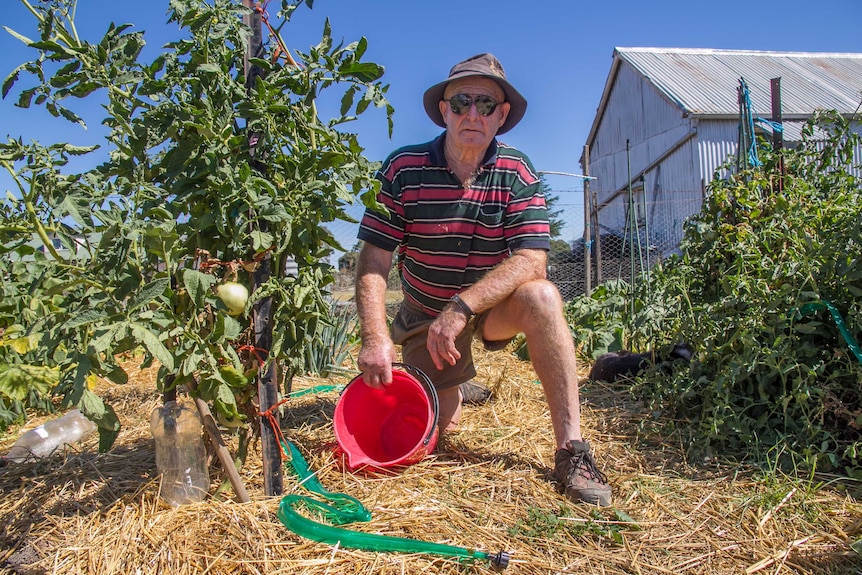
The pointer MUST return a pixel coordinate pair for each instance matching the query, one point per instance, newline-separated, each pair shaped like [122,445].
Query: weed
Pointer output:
[540,524]
[547,525]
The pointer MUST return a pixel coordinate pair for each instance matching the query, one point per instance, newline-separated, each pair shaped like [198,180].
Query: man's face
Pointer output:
[470,130]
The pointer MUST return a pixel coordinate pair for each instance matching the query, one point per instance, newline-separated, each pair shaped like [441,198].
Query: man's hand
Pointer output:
[375,360]
[442,334]
[377,352]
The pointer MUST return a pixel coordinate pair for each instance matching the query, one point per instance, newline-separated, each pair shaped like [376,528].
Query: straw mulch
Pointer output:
[486,487]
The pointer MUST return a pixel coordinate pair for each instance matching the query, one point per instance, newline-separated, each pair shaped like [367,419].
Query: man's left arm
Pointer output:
[527,233]
[522,266]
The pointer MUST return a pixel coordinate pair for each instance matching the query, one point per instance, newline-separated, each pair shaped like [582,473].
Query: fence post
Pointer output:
[588,240]
[777,135]
[598,235]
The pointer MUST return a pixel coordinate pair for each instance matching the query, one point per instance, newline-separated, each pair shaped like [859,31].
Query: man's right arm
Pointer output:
[377,352]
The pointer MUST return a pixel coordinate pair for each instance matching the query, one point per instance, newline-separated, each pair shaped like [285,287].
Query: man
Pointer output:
[468,220]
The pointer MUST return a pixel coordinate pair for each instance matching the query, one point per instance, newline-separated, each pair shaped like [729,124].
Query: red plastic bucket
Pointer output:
[389,427]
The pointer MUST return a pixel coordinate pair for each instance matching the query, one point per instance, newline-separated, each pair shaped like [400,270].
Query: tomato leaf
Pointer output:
[198,285]
[16,380]
[153,344]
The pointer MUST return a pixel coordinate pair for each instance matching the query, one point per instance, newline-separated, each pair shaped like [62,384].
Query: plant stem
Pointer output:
[40,231]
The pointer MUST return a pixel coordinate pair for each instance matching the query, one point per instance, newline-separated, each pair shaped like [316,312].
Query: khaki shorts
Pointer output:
[410,331]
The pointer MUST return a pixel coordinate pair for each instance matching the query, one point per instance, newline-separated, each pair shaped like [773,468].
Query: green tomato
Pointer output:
[234,296]
[229,423]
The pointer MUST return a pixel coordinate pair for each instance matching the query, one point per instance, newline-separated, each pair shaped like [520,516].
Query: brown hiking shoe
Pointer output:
[578,476]
[473,393]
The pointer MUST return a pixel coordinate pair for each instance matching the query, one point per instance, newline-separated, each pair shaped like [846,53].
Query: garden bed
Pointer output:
[485,487]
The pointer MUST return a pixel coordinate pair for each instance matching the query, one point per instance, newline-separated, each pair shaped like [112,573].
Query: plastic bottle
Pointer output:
[180,453]
[51,436]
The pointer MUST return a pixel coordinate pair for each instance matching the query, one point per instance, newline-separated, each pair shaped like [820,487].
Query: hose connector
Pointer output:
[500,560]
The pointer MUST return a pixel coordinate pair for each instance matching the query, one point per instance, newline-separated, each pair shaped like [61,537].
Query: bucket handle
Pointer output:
[429,389]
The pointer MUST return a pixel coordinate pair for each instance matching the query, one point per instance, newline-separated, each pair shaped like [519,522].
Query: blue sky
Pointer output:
[556,52]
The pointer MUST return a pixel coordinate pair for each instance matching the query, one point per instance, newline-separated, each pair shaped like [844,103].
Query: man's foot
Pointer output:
[474,393]
[578,476]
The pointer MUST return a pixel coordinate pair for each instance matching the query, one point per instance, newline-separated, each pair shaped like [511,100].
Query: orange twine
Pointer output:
[257,351]
[280,47]
[276,428]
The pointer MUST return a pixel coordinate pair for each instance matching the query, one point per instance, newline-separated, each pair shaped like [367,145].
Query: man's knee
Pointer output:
[536,302]
[537,295]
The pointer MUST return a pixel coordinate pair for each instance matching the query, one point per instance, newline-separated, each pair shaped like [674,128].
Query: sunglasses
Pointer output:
[460,104]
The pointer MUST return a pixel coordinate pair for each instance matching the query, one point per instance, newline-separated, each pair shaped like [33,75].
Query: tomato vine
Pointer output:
[128,246]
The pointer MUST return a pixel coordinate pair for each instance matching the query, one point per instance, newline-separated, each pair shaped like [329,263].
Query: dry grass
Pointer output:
[486,487]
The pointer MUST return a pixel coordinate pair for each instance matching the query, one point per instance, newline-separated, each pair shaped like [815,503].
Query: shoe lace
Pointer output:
[583,464]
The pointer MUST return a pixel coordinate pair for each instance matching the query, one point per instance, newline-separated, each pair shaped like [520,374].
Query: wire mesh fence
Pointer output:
[634,233]
[628,234]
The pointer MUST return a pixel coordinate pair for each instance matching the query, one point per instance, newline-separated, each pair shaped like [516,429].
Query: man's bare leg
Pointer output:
[449,414]
[536,310]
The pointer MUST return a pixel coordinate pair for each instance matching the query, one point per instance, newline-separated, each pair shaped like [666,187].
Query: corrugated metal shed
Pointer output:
[668,123]
[703,82]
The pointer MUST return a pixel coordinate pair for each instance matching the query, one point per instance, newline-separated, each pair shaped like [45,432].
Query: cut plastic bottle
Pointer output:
[180,453]
[50,437]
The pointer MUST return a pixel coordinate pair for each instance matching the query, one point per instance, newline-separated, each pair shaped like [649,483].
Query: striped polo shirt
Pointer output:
[448,237]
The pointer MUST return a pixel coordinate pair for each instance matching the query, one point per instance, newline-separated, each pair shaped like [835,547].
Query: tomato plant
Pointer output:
[205,176]
[768,382]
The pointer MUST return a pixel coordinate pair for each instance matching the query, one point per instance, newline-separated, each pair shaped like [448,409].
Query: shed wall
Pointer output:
[716,143]
[638,116]
[635,113]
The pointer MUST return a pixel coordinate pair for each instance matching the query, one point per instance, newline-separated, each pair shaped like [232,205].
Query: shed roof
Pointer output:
[703,82]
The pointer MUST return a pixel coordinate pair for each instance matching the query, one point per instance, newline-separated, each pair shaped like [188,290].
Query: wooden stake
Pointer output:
[777,135]
[267,382]
[222,451]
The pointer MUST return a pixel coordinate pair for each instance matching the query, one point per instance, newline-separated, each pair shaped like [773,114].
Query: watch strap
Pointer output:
[462,306]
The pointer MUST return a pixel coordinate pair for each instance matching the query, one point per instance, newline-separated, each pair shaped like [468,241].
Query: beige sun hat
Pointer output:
[485,65]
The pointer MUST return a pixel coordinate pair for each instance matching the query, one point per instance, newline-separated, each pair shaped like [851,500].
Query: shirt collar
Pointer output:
[438,157]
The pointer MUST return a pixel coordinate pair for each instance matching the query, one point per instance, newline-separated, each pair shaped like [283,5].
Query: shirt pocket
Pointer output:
[491,215]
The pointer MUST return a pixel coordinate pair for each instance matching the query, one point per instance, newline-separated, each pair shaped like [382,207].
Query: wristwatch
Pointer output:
[462,306]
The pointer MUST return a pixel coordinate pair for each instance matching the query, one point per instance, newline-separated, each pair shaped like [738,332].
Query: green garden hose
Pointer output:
[315,390]
[346,509]
[810,307]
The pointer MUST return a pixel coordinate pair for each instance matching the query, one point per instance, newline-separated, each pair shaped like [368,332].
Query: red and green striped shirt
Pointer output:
[448,237]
